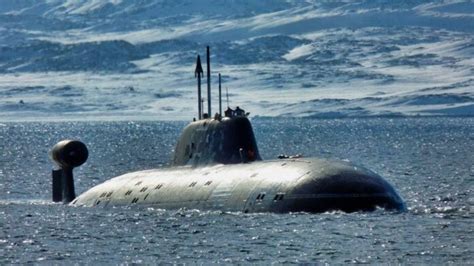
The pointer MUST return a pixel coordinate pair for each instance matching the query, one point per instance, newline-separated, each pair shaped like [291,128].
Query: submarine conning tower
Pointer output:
[228,140]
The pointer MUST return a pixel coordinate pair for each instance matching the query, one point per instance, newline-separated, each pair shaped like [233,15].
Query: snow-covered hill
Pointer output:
[119,59]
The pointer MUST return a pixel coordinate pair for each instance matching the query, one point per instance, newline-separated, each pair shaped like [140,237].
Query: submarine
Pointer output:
[216,165]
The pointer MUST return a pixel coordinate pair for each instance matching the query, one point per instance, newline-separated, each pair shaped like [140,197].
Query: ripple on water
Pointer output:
[426,159]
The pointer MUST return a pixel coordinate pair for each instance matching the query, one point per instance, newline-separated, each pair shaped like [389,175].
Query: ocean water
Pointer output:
[428,160]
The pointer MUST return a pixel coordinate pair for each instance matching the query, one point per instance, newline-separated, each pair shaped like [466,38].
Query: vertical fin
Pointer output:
[57,185]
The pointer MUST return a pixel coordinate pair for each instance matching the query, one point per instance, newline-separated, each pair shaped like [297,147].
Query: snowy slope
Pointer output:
[118,59]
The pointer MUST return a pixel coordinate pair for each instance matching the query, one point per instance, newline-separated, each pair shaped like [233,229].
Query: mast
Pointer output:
[220,95]
[198,72]
[208,83]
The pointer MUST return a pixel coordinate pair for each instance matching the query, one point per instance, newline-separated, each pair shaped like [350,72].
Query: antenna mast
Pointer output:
[208,82]
[227,94]
[198,74]
[220,96]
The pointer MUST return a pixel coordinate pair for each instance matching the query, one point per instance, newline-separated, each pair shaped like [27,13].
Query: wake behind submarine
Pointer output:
[217,166]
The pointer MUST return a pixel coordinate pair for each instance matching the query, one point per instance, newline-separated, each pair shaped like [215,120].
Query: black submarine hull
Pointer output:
[281,186]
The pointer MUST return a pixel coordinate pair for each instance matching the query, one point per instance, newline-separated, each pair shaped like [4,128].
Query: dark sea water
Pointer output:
[428,160]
